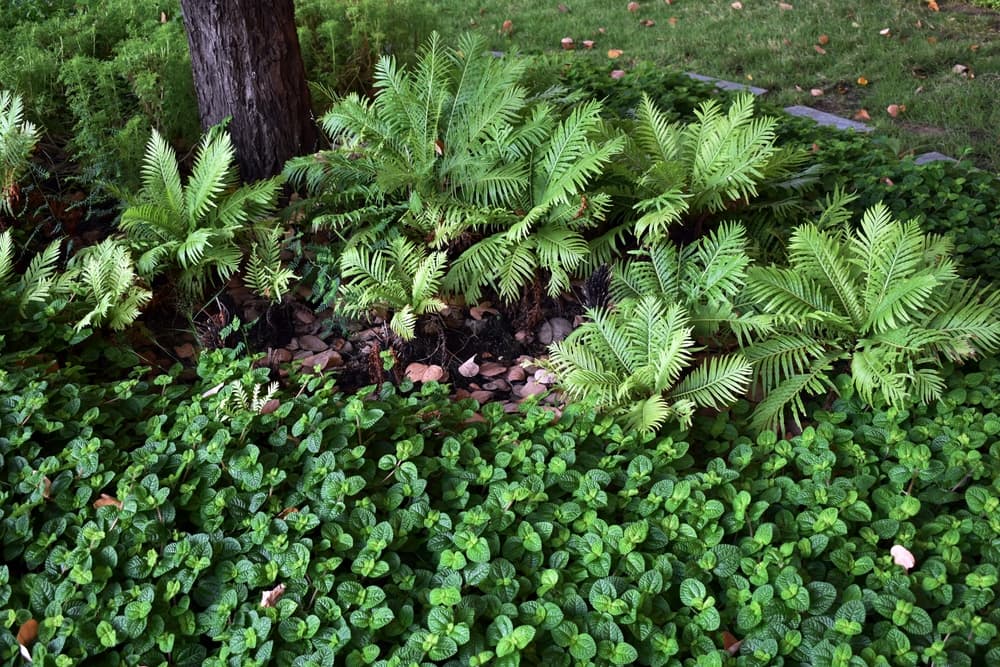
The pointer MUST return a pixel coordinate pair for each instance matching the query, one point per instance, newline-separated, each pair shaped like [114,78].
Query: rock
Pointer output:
[304,316]
[554,330]
[545,377]
[482,396]
[322,360]
[492,369]
[470,368]
[185,351]
[516,374]
[530,388]
[312,343]
[497,385]
[423,373]
[281,355]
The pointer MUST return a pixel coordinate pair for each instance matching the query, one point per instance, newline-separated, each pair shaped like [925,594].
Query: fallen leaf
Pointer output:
[933,6]
[270,406]
[888,181]
[862,81]
[614,53]
[588,43]
[730,643]
[633,7]
[563,9]
[28,632]
[672,20]
[106,500]
[287,511]
[602,31]
[885,32]
[163,17]
[617,74]
[901,556]
[271,597]
[963,71]
[816,92]
[46,488]
[895,109]
[973,47]
[919,90]
[507,28]
[214,390]
[737,5]
[862,115]
[784,6]
[824,39]
[814,148]
[470,368]
[819,49]
[185,351]
[647,23]
[932,40]
[567,43]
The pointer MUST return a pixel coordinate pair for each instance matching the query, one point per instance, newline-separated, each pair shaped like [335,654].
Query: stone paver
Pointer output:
[824,118]
[727,85]
[933,156]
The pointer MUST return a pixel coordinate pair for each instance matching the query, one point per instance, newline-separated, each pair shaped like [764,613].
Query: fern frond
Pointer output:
[6,258]
[716,383]
[265,275]
[161,178]
[788,397]
[40,279]
[649,415]
[818,255]
[212,175]
[781,357]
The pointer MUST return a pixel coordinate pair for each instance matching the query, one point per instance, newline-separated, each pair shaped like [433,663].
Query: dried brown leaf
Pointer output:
[470,368]
[106,500]
[271,597]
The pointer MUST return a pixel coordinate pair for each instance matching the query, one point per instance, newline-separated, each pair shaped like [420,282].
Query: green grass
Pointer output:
[774,48]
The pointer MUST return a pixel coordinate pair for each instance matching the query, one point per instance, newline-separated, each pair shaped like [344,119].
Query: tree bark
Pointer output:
[247,64]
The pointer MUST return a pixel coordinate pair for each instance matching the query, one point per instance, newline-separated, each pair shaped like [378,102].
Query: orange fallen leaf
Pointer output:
[816,92]
[888,181]
[672,20]
[288,511]
[271,597]
[106,500]
[507,28]
[567,43]
[862,81]
[28,632]
[486,307]
[46,488]
[633,7]
[614,53]
[588,43]
[819,49]
[933,6]
[824,39]
[784,6]
[647,23]
[617,74]
[895,109]
[862,115]
[737,5]
[932,40]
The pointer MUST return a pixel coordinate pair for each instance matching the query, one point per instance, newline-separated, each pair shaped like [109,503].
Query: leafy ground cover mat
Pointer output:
[231,521]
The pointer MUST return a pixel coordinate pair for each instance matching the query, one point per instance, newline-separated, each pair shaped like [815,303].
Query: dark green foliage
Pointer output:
[400,531]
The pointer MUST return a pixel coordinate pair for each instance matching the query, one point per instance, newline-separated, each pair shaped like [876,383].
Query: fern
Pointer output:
[455,150]
[196,231]
[630,360]
[401,277]
[707,166]
[886,299]
[265,274]
[17,140]
[103,278]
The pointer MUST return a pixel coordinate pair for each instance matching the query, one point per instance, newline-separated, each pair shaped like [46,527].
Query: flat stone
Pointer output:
[727,85]
[554,330]
[530,388]
[827,119]
[482,396]
[516,374]
[312,343]
[323,360]
[281,355]
[933,156]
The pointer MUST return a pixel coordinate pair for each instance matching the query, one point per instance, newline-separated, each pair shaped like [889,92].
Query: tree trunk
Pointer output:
[247,64]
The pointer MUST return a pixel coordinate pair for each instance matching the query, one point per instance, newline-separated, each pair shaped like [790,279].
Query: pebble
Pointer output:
[554,330]
[312,343]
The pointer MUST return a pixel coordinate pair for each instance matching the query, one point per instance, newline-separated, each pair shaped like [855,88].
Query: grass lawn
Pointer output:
[943,67]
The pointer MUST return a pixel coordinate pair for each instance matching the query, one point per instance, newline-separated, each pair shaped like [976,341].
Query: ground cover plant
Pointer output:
[731,399]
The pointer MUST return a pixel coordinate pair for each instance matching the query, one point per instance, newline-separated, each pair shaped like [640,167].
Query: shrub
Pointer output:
[17,140]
